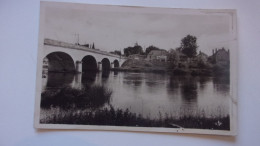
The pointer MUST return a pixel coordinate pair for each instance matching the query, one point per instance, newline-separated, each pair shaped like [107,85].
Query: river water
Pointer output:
[154,95]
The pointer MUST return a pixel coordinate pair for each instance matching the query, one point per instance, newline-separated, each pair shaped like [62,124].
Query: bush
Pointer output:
[93,97]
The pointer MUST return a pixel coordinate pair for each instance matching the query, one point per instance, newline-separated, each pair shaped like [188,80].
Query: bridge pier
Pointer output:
[79,66]
[100,66]
[45,67]
[112,65]
[76,83]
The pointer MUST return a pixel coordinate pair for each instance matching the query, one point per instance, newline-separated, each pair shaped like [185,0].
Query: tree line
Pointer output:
[188,47]
[136,49]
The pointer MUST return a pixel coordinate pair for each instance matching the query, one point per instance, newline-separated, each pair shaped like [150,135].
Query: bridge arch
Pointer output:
[116,63]
[77,53]
[59,62]
[105,64]
[89,63]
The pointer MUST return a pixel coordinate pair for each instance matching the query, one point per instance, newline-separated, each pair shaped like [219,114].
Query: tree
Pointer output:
[127,51]
[93,46]
[189,46]
[173,58]
[86,45]
[150,48]
[137,49]
[116,52]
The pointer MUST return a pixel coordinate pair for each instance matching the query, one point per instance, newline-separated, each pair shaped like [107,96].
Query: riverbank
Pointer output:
[176,71]
[118,117]
[132,65]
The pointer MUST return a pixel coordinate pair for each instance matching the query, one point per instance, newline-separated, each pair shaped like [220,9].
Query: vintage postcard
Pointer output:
[129,68]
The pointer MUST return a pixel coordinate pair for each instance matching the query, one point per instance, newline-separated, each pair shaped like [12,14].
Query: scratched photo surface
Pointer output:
[136,69]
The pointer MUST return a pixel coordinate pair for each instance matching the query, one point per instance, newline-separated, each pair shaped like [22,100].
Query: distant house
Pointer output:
[136,57]
[202,57]
[179,56]
[157,55]
[220,57]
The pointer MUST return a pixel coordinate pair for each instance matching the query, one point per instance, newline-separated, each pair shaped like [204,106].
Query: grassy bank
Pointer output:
[133,65]
[91,97]
[119,117]
[194,69]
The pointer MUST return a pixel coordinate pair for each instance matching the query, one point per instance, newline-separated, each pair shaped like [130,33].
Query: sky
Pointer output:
[115,28]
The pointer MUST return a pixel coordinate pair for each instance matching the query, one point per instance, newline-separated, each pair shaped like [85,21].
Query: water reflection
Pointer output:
[221,84]
[89,77]
[57,80]
[133,80]
[115,73]
[154,95]
[203,82]
[173,86]
[44,83]
[189,90]
[154,80]
[76,83]
[174,82]
[105,74]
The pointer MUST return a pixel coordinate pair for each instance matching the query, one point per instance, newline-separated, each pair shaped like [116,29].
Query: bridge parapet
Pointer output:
[56,43]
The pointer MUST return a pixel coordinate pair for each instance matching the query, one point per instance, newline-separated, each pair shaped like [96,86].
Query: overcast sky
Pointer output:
[117,29]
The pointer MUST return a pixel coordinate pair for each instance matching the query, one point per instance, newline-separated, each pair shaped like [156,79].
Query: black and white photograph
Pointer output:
[125,68]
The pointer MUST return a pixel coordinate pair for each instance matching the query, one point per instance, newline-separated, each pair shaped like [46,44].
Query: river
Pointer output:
[154,95]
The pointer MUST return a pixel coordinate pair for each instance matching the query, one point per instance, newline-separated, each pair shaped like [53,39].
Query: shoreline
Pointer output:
[177,71]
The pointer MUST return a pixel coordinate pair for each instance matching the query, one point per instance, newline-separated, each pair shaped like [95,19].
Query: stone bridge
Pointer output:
[64,57]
